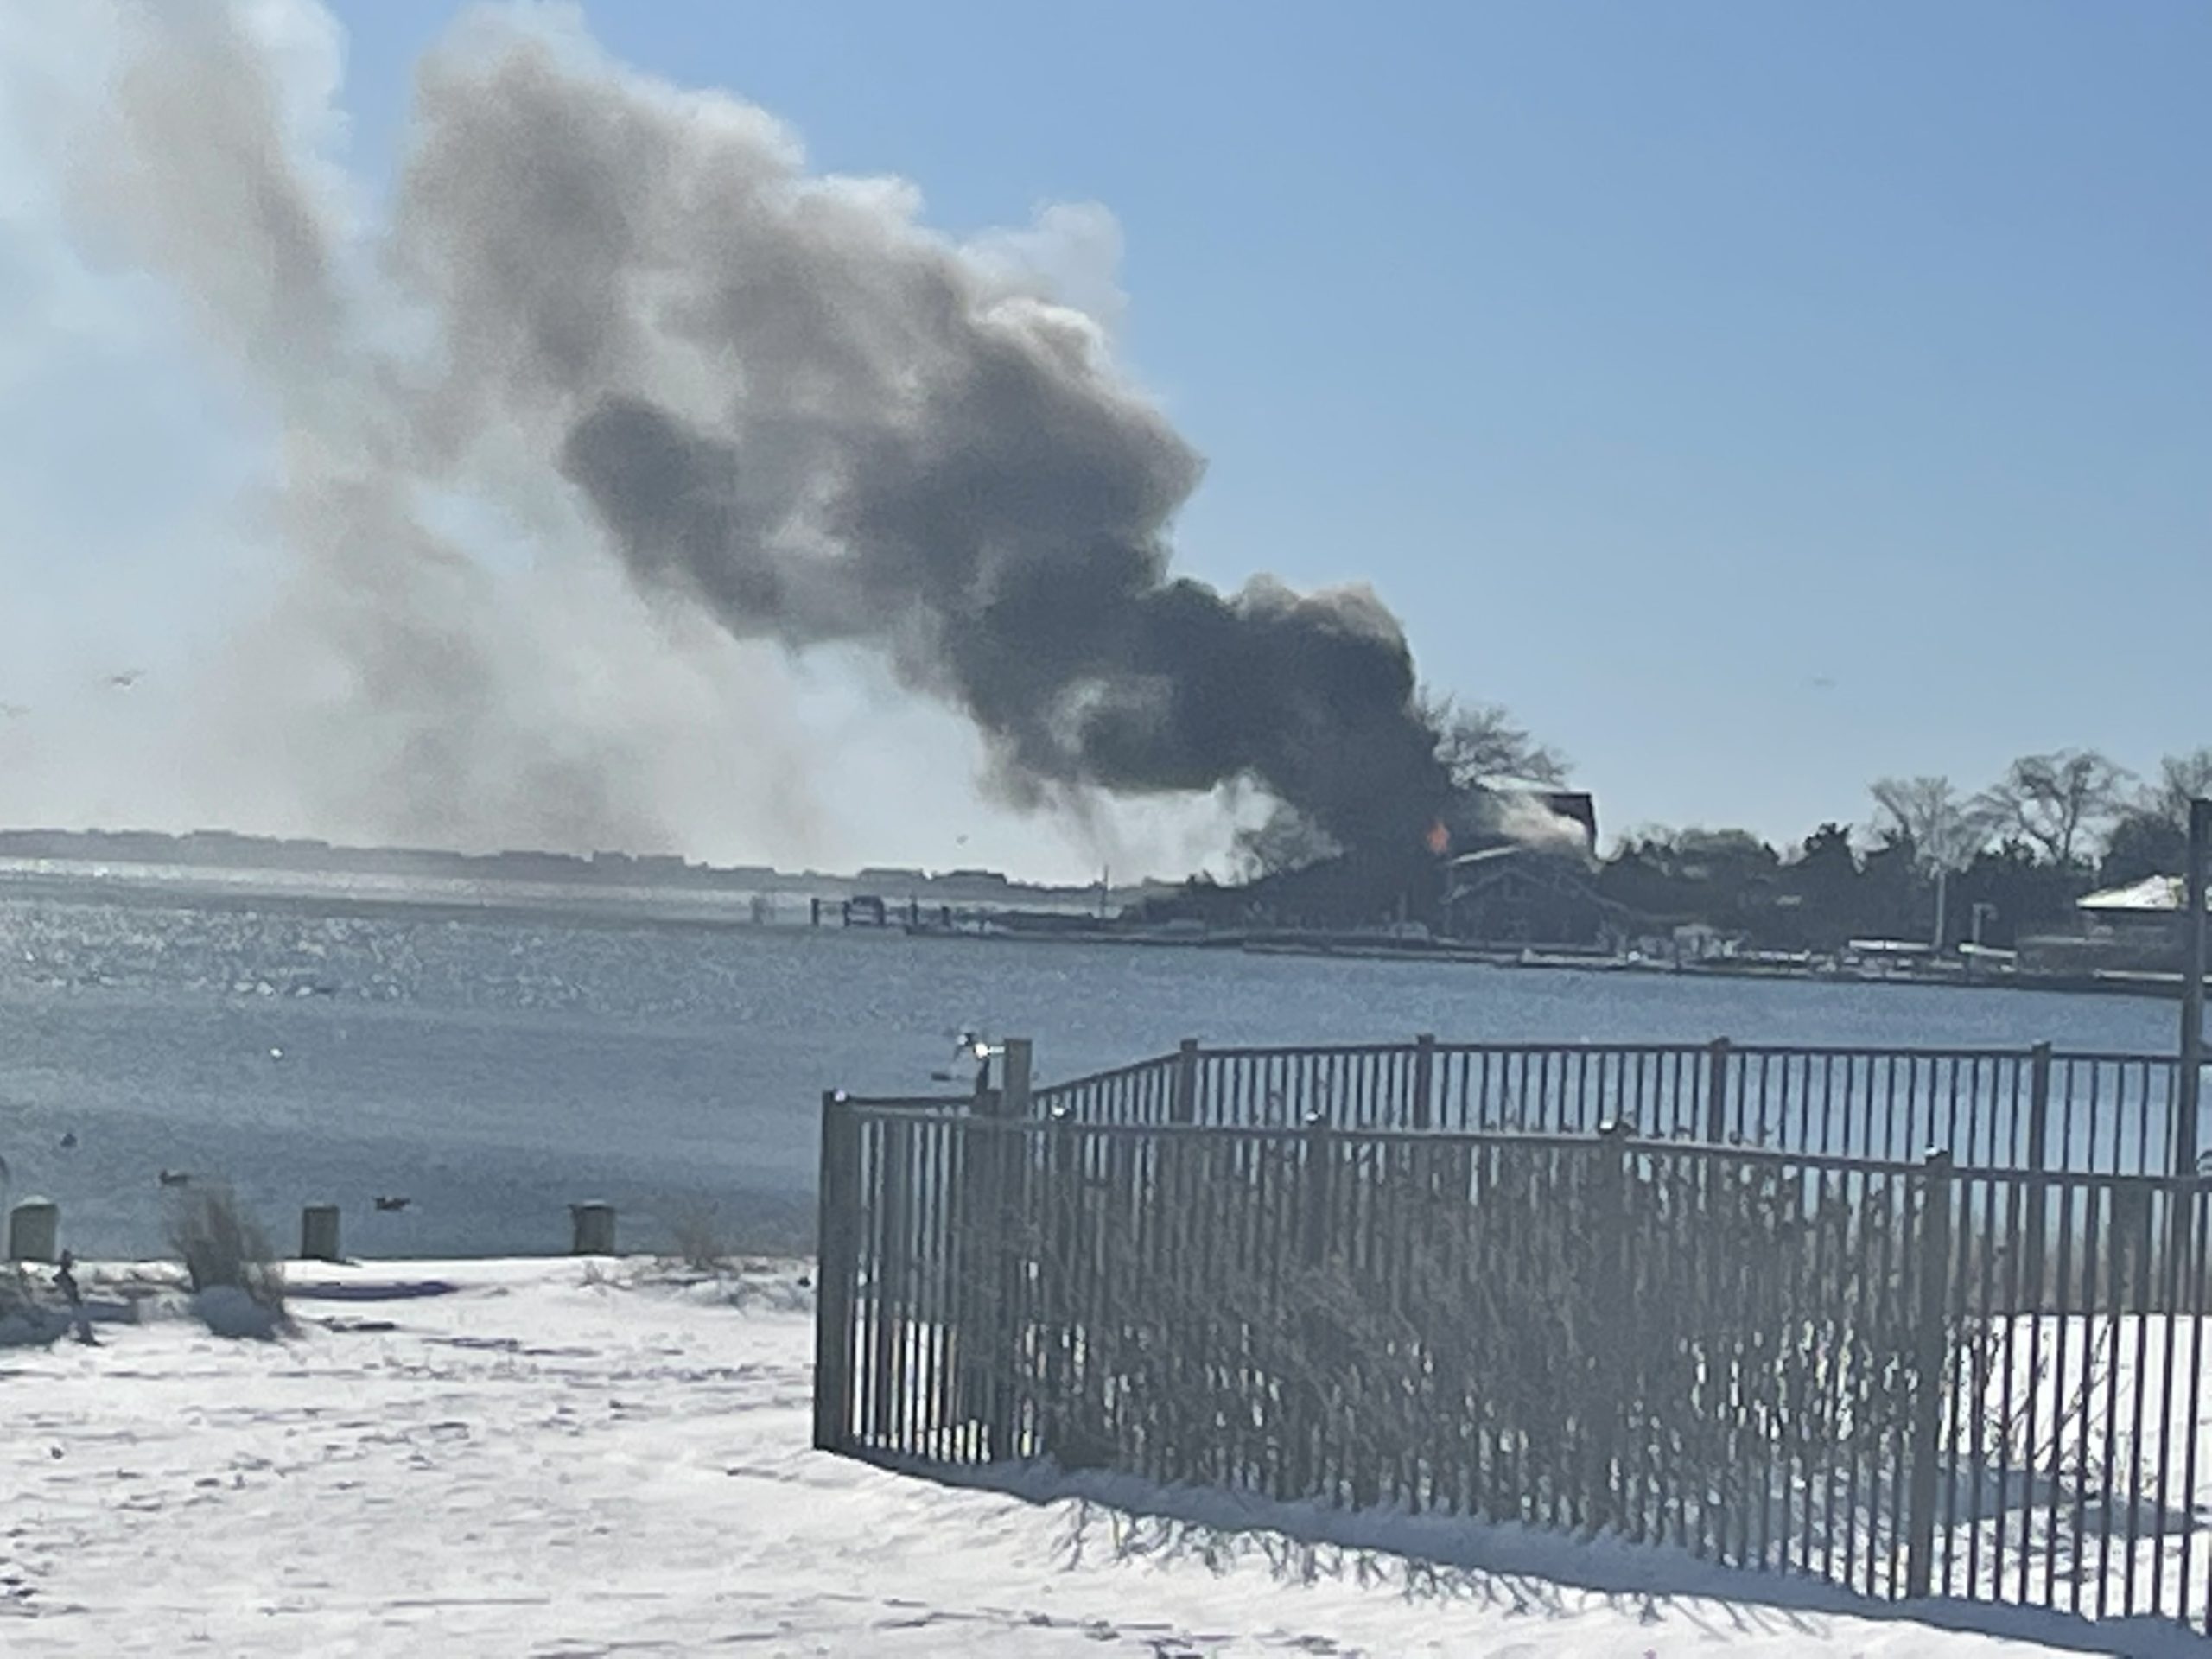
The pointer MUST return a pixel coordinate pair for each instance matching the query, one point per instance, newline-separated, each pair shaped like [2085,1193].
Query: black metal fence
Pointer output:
[1904,1377]
[2023,1109]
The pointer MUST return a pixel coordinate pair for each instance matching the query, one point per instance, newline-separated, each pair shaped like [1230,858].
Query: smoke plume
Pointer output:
[775,395]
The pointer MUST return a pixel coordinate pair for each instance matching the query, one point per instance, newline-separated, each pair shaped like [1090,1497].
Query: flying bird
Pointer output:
[125,681]
[174,1178]
[388,1204]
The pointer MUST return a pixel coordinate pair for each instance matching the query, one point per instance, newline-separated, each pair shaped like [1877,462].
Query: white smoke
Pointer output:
[1528,820]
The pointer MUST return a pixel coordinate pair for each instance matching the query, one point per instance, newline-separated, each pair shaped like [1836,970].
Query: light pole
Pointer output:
[2190,1083]
[1983,910]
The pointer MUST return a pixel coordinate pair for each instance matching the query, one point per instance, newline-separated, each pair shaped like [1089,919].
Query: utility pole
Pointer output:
[2192,990]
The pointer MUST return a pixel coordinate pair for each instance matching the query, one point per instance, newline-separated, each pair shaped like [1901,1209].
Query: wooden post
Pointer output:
[1185,1106]
[34,1230]
[836,1225]
[1424,1080]
[591,1229]
[319,1233]
[1716,1092]
[1933,1244]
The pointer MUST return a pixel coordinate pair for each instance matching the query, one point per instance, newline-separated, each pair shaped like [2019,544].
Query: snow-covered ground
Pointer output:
[563,1457]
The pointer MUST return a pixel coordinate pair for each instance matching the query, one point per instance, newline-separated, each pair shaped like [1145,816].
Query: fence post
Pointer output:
[1319,1156]
[1716,1092]
[1934,1348]
[1057,1315]
[1424,1079]
[1305,1431]
[2190,1081]
[998,1146]
[1185,1105]
[1014,1078]
[2038,1160]
[836,1217]
[1608,1237]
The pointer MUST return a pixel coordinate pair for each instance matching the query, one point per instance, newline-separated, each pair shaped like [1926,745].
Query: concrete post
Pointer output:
[34,1228]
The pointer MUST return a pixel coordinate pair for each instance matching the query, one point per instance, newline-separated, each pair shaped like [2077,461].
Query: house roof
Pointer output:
[2154,893]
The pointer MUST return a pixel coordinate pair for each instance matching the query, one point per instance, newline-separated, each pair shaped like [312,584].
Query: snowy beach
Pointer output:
[543,1457]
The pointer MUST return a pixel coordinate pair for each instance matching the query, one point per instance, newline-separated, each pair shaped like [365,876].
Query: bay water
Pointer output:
[494,1069]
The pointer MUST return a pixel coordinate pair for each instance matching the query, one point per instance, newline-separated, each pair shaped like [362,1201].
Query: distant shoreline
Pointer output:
[220,854]
[671,907]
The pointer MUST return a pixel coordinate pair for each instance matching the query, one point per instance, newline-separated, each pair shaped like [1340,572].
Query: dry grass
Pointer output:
[227,1258]
[700,1241]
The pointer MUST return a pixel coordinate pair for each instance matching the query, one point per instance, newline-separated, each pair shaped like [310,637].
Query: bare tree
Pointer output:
[2054,800]
[1481,745]
[2181,779]
[1946,828]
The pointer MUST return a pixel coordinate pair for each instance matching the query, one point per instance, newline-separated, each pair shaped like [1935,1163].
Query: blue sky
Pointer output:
[1757,399]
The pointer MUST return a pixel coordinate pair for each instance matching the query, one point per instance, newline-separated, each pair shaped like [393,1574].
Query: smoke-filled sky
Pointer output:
[926,434]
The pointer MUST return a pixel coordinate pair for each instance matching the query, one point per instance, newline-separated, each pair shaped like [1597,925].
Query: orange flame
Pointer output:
[1439,838]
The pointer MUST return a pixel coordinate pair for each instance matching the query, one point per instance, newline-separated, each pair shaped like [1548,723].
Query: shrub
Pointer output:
[237,1284]
[697,1235]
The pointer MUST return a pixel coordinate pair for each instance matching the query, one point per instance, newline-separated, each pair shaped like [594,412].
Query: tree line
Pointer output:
[1935,862]
[1931,862]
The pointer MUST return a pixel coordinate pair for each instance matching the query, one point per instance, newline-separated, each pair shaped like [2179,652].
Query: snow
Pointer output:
[557,1457]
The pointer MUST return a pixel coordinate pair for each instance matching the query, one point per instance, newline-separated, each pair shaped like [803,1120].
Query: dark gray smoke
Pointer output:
[781,399]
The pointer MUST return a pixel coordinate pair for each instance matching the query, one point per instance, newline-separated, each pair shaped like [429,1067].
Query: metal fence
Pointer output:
[1906,1378]
[2026,1108]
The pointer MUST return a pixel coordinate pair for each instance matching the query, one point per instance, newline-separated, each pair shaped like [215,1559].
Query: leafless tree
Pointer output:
[1481,745]
[2054,800]
[1946,828]
[2181,779]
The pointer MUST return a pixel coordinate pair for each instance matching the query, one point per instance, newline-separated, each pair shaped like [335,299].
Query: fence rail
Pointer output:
[2026,1108]
[1906,1377]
